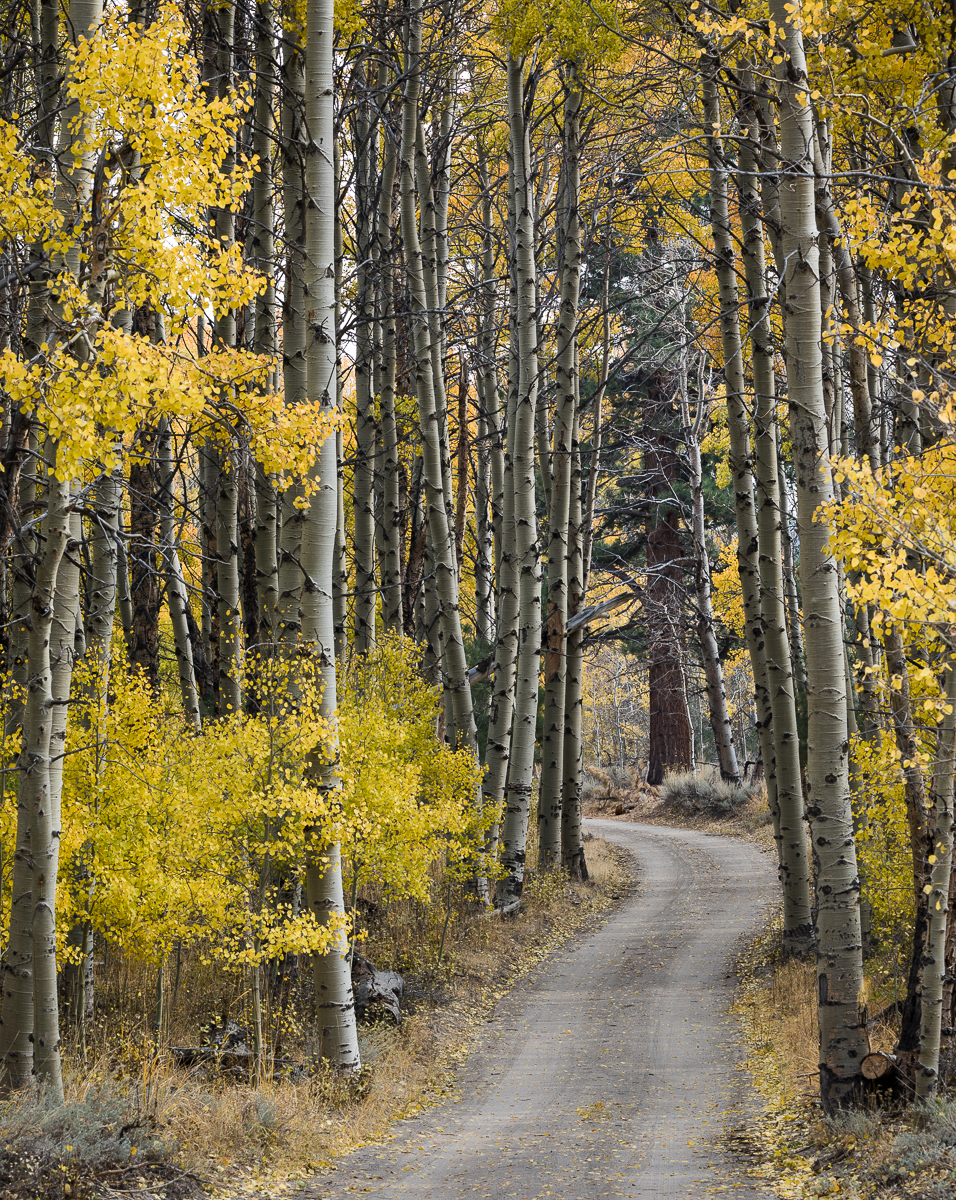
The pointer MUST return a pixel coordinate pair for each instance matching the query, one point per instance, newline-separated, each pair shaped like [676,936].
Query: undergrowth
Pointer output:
[137,1123]
[890,1153]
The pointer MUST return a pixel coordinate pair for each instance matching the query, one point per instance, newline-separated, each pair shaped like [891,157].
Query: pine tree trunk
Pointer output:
[552,748]
[843,1032]
[669,747]
[338,1041]
[514,830]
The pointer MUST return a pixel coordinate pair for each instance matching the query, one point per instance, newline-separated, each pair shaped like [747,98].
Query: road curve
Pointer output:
[616,1069]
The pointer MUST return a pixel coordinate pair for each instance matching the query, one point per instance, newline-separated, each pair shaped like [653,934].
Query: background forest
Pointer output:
[407,409]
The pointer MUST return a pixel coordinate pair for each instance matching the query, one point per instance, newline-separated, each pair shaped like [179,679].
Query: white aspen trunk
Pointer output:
[390,566]
[102,584]
[514,831]
[594,464]
[340,566]
[177,594]
[572,840]
[55,620]
[740,460]
[21,588]
[501,713]
[227,575]
[293,321]
[29,1001]
[266,332]
[842,1015]
[790,827]
[713,671]
[432,280]
[941,863]
[552,749]
[422,292]
[338,1039]
[490,480]
[366,432]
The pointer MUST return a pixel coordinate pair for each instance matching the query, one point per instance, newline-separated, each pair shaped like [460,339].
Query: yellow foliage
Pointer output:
[169,836]
[883,837]
[408,800]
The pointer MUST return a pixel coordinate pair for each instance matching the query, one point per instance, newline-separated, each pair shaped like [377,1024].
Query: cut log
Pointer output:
[879,1066]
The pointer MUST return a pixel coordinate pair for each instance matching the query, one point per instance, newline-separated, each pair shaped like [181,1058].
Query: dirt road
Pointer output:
[615,1071]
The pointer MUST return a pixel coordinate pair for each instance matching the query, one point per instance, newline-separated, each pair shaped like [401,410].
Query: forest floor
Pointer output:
[886,1152]
[614,1069]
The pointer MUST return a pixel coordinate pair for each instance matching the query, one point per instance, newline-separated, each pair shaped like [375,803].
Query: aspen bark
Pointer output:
[783,772]
[501,713]
[552,749]
[338,1039]
[177,595]
[514,831]
[266,333]
[422,293]
[366,432]
[843,1032]
[102,584]
[390,567]
[489,481]
[227,576]
[294,374]
[741,462]
[29,1003]
[144,570]
[937,899]
[572,839]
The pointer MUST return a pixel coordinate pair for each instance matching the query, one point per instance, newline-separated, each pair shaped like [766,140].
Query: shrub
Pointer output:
[64,1150]
[704,791]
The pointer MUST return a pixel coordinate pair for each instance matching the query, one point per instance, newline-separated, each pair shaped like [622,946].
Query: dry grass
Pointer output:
[229,1132]
[893,1153]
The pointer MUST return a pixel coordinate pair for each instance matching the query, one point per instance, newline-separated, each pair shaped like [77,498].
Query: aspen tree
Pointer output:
[937,891]
[489,489]
[552,769]
[572,840]
[390,566]
[790,828]
[338,1041]
[177,596]
[366,432]
[422,284]
[29,1001]
[788,825]
[266,342]
[843,1032]
[289,579]
[514,830]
